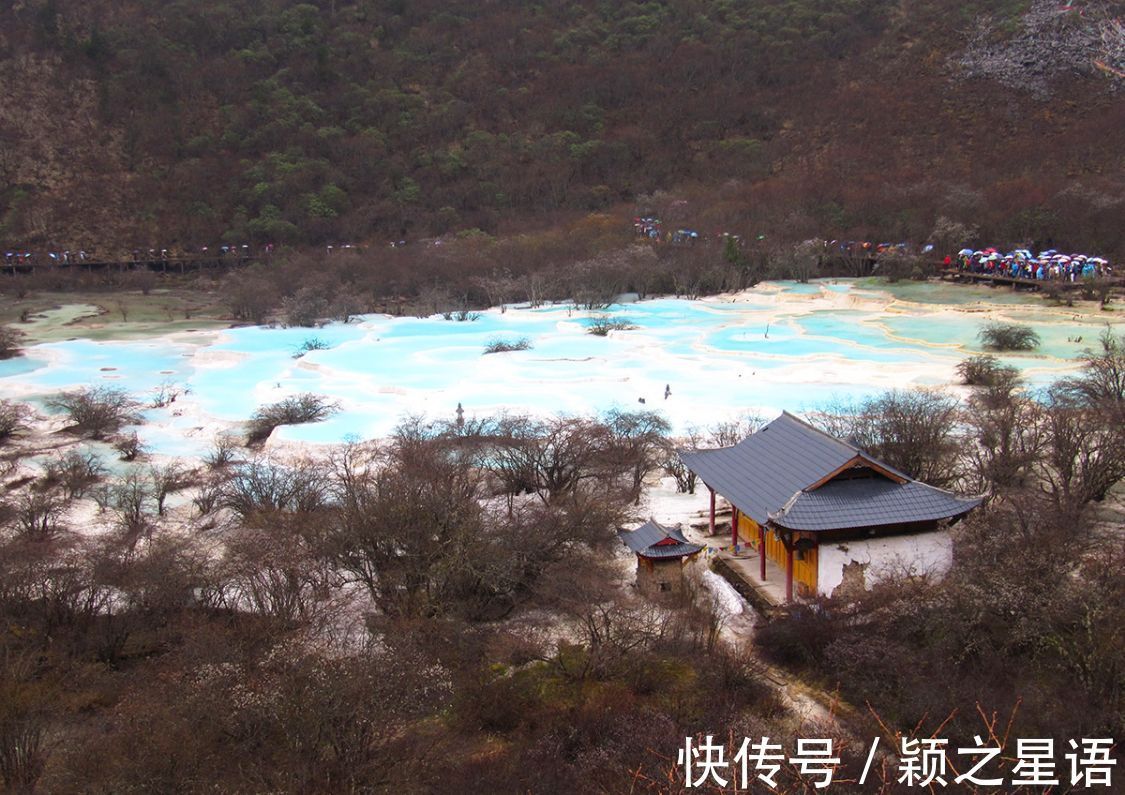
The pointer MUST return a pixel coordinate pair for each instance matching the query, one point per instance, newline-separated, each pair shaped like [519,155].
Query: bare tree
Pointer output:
[637,443]
[251,295]
[550,457]
[727,433]
[24,724]
[166,479]
[132,502]
[1102,381]
[915,431]
[948,235]
[1007,432]
[1083,452]
[39,514]
[11,342]
[800,262]
[13,417]
[261,488]
[75,471]
[274,571]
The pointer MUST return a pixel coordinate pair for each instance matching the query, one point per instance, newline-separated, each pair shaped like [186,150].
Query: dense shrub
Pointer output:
[10,342]
[983,370]
[294,410]
[12,417]
[96,411]
[1008,337]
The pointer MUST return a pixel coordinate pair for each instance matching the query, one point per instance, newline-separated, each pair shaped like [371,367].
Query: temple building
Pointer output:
[822,509]
[661,555]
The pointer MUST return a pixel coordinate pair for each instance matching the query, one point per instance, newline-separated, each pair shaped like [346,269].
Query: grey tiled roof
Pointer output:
[771,469]
[869,502]
[644,541]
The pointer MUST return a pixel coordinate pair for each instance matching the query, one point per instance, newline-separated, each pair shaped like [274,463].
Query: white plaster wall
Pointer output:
[919,553]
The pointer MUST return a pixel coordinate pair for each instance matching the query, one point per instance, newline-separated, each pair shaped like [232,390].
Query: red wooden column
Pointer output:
[788,573]
[712,509]
[733,526]
[762,552]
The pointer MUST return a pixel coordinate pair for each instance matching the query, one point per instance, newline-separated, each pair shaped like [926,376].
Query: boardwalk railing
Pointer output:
[958,275]
[157,265]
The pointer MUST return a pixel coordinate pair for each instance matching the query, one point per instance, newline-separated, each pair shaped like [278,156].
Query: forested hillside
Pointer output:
[143,122]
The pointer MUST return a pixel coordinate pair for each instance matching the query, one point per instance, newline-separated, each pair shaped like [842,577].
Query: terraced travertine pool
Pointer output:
[778,346]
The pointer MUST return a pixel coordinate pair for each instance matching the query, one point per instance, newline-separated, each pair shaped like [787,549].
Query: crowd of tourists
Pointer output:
[1048,265]
[23,257]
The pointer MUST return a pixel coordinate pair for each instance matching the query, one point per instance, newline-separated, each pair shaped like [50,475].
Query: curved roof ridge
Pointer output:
[806,424]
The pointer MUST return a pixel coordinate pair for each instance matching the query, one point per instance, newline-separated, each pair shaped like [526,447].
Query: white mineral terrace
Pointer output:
[778,346]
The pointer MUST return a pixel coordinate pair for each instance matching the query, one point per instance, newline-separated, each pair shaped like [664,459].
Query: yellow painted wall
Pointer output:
[804,571]
[747,530]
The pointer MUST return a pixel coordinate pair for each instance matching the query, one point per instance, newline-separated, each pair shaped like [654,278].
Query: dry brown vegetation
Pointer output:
[332,623]
[366,122]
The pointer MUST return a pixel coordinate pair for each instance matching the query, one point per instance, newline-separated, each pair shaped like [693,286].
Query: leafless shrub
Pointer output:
[164,394]
[129,446]
[262,488]
[75,471]
[409,526]
[1083,452]
[24,723]
[11,342]
[894,265]
[800,262]
[96,411]
[39,515]
[273,571]
[251,295]
[293,410]
[602,326]
[222,452]
[507,346]
[549,458]
[462,316]
[208,496]
[949,235]
[310,344]
[1006,426]
[166,479]
[1102,382]
[307,307]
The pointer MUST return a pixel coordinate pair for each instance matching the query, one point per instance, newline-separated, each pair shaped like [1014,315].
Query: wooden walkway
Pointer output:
[957,275]
[158,265]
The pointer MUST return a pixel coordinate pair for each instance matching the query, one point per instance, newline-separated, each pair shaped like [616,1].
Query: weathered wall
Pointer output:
[660,577]
[921,552]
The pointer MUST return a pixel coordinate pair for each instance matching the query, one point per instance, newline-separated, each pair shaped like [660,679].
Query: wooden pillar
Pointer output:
[789,572]
[762,552]
[712,524]
[733,526]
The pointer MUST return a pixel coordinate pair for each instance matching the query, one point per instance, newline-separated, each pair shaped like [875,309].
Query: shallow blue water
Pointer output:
[827,342]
